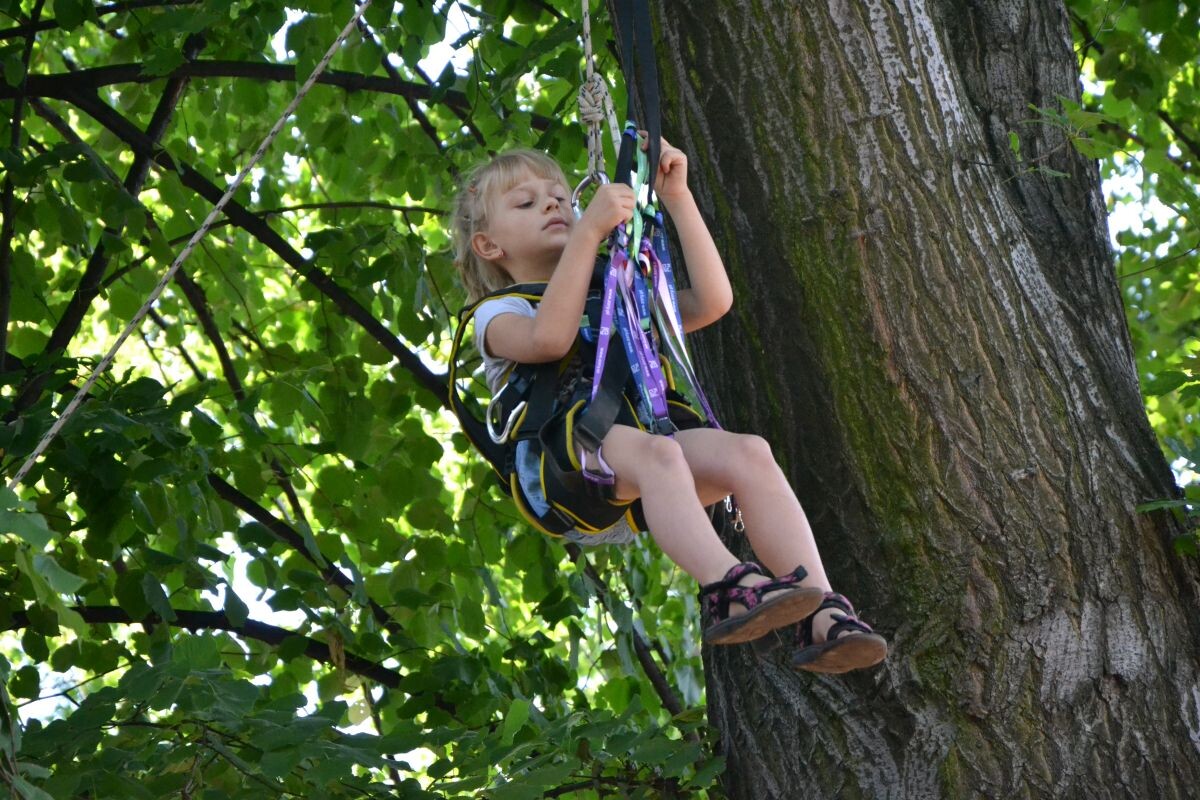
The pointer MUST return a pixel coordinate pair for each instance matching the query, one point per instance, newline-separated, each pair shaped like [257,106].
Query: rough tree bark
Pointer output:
[940,359]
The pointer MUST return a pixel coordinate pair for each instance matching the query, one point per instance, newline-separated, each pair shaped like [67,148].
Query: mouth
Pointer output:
[554,223]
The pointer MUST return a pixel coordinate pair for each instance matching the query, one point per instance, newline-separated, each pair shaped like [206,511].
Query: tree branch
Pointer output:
[249,222]
[292,538]
[273,212]
[199,303]
[93,273]
[112,8]
[162,324]
[67,85]
[1177,129]
[659,681]
[218,621]
[8,227]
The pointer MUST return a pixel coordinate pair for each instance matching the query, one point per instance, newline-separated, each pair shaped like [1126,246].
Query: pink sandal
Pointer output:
[761,616]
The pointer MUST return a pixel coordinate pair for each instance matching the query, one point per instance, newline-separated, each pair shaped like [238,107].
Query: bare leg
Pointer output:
[654,469]
[730,463]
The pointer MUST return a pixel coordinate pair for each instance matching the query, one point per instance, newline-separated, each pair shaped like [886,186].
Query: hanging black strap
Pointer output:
[641,83]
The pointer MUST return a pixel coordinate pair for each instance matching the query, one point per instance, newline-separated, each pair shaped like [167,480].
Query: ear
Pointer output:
[485,247]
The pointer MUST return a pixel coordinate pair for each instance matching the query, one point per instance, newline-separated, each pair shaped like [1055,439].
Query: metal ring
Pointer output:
[598,178]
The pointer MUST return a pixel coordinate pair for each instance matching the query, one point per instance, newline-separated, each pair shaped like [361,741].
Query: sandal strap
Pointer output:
[804,636]
[735,574]
[716,596]
[844,624]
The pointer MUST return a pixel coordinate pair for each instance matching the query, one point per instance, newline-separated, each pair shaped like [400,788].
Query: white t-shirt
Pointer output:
[494,367]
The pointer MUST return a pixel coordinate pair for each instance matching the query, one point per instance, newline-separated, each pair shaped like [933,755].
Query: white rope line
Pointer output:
[183,254]
[595,103]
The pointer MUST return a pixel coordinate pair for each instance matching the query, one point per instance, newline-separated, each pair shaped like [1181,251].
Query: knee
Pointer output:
[752,453]
[661,454]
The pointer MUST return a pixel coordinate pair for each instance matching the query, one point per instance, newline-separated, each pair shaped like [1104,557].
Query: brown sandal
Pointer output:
[761,616]
[839,652]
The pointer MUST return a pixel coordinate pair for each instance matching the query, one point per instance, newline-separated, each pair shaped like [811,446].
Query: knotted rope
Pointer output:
[595,105]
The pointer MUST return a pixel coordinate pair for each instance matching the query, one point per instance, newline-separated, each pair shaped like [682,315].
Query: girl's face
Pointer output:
[529,224]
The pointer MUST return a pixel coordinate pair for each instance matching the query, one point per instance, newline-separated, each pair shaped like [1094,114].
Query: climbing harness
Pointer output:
[542,430]
[185,252]
[531,422]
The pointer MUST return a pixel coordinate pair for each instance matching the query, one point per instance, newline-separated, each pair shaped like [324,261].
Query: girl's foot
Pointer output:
[834,640]
[761,605]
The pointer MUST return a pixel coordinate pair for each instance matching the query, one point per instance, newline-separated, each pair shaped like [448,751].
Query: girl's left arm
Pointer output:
[710,295]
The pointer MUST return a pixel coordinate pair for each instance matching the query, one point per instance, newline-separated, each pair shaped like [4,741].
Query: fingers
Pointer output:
[613,204]
[644,141]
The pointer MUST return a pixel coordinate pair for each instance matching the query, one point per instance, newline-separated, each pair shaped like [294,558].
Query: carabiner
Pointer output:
[598,178]
[502,436]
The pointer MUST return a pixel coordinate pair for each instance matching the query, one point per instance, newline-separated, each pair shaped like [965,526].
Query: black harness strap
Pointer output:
[641,83]
[637,48]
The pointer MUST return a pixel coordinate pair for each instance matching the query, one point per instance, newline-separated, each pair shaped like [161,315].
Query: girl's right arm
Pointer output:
[549,334]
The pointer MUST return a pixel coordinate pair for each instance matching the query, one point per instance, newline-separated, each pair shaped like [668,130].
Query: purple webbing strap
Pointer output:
[672,326]
[654,382]
[617,255]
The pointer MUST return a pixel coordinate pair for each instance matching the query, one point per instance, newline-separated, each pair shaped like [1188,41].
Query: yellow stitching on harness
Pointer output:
[580,524]
[569,423]
[588,527]
[520,420]
[518,498]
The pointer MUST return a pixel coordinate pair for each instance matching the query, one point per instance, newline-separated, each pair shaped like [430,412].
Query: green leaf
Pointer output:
[27,791]
[59,579]
[157,599]
[1158,15]
[25,682]
[518,714]
[14,70]
[235,609]
[33,644]
[130,595]
[1164,382]
[70,14]
[197,652]
[28,525]
[1155,505]
[706,774]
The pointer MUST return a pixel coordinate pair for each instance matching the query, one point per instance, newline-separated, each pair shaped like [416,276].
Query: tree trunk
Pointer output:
[929,332]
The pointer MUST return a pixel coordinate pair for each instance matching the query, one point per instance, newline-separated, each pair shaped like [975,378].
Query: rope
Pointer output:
[183,254]
[595,104]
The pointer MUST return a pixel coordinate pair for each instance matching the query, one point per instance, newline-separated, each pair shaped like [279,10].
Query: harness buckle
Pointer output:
[598,482]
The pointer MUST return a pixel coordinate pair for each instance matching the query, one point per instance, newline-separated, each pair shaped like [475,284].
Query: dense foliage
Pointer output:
[1139,118]
[258,561]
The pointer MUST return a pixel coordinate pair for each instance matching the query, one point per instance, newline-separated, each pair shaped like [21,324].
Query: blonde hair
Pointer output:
[482,185]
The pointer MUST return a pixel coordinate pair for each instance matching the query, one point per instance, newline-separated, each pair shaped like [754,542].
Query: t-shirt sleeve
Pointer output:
[494,308]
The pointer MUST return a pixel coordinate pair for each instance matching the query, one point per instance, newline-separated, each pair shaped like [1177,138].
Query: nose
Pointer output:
[550,203]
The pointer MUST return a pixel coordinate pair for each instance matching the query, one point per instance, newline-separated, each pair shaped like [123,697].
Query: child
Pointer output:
[513,225]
